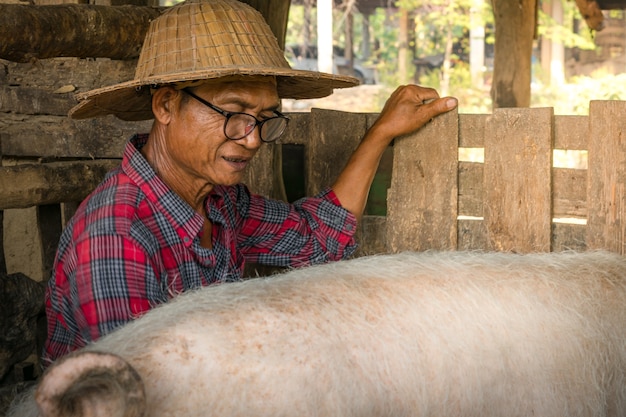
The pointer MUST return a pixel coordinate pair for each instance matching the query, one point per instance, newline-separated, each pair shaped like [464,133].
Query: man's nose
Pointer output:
[253,139]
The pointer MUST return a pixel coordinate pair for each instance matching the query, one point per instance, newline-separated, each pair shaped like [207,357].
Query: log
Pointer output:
[52,137]
[31,32]
[28,100]
[28,185]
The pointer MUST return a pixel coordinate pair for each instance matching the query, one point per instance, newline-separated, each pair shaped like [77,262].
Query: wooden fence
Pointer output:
[514,200]
[508,202]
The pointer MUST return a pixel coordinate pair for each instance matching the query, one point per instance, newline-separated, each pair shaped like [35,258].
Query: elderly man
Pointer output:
[174,216]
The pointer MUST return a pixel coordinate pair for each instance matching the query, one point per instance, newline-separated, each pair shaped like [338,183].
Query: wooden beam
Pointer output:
[591,11]
[54,137]
[28,185]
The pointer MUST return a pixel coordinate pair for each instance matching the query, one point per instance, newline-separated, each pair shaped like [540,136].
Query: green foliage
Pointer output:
[573,98]
[431,20]
[472,99]
[562,33]
[295,27]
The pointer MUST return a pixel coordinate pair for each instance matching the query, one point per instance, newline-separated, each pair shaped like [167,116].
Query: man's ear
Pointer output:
[165,101]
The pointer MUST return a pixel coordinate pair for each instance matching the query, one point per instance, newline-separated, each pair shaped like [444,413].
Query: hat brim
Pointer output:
[129,101]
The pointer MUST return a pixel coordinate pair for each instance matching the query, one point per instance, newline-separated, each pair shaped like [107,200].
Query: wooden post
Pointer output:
[606,199]
[403,46]
[3,264]
[259,176]
[333,136]
[49,224]
[422,199]
[515,23]
[276,13]
[517,187]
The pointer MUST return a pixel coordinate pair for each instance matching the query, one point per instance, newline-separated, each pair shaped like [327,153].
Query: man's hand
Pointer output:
[409,108]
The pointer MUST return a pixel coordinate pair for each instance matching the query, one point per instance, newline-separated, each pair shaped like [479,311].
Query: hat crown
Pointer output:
[200,35]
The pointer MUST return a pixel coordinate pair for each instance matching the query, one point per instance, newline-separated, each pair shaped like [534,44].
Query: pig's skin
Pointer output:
[431,334]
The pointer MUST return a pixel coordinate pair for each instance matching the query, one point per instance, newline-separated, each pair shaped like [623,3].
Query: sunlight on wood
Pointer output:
[561,158]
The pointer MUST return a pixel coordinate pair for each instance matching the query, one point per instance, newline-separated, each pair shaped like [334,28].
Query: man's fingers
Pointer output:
[435,107]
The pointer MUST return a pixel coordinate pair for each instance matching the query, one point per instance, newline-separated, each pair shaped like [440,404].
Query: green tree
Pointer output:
[439,25]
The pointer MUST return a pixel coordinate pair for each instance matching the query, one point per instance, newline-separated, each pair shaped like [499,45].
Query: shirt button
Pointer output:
[349,227]
[186,239]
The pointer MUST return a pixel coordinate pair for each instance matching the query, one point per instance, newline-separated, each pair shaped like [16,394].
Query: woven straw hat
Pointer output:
[204,40]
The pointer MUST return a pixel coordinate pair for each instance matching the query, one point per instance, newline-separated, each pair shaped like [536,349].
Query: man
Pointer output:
[174,216]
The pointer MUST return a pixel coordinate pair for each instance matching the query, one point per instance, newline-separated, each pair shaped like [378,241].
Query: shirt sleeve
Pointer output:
[102,284]
[312,230]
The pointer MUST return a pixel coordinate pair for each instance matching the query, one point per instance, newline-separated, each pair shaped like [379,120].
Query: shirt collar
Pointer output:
[181,215]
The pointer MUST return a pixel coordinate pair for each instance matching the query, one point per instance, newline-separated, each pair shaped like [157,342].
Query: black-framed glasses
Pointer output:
[238,125]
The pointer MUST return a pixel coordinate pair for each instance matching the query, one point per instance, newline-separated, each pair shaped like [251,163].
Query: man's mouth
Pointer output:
[237,163]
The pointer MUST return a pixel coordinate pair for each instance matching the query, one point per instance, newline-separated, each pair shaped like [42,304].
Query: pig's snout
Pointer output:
[91,384]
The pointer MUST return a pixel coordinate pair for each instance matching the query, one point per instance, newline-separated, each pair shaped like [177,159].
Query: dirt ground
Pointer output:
[360,99]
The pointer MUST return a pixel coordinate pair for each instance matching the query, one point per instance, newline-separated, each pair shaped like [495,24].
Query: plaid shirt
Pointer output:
[134,244]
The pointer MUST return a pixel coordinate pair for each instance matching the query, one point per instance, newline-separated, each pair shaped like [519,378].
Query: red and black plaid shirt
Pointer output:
[134,243]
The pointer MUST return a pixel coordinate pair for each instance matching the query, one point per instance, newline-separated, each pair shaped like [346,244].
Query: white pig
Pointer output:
[411,334]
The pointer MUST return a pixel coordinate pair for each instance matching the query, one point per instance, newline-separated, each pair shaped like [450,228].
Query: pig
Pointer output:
[407,334]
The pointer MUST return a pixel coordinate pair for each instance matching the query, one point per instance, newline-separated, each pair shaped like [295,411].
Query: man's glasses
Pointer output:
[239,125]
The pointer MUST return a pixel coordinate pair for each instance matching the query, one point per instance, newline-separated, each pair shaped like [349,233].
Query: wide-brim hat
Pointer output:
[205,40]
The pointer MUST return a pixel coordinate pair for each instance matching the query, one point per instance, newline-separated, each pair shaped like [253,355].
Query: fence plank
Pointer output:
[569,193]
[371,235]
[472,130]
[568,237]
[607,161]
[517,190]
[333,136]
[571,132]
[472,235]
[422,199]
[49,228]
[297,132]
[3,265]
[471,189]
[260,175]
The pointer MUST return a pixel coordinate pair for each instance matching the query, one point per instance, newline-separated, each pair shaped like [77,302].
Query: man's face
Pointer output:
[196,141]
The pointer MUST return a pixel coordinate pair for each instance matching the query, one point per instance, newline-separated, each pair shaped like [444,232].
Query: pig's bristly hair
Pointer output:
[445,332]
[412,334]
